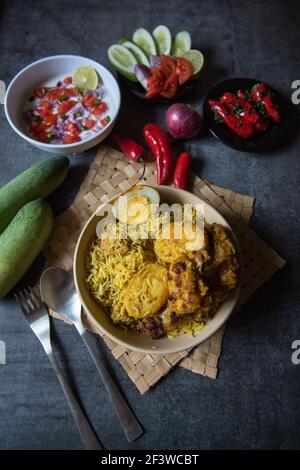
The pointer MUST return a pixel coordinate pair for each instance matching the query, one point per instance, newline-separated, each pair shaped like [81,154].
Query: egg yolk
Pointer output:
[135,210]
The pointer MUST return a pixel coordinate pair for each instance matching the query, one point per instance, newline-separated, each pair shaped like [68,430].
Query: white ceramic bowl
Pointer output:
[138,341]
[43,70]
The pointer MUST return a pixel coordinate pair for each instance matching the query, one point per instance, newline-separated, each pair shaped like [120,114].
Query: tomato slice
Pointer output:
[56,93]
[33,125]
[50,120]
[65,106]
[41,92]
[170,87]
[89,123]
[37,127]
[71,91]
[100,109]
[89,100]
[44,109]
[184,70]
[86,99]
[68,80]
[43,137]
[155,83]
[165,71]
[169,63]
[72,128]
[45,104]
[44,112]
[70,138]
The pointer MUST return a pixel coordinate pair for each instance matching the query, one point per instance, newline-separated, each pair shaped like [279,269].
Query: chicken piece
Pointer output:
[147,291]
[152,326]
[222,244]
[203,287]
[113,246]
[227,273]
[184,296]
[201,258]
[172,320]
[176,241]
[207,302]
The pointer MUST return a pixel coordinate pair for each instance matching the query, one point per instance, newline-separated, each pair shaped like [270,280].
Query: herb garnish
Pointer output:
[237,108]
[64,98]
[216,117]
[50,136]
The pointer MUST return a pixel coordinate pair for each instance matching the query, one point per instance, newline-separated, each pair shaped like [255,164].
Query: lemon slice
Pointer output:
[86,77]
[197,60]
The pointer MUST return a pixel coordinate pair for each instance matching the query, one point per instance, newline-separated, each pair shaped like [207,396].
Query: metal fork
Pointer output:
[37,316]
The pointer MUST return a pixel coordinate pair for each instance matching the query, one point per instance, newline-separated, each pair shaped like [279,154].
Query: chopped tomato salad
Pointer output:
[64,114]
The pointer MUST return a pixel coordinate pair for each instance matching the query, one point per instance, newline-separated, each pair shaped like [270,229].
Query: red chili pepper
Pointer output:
[263,122]
[241,107]
[162,150]
[182,170]
[236,124]
[132,149]
[259,90]
[260,93]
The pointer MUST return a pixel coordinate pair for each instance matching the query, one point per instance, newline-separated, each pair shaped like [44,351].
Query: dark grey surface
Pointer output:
[255,401]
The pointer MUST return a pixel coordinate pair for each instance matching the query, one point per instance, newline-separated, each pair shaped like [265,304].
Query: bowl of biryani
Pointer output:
[157,269]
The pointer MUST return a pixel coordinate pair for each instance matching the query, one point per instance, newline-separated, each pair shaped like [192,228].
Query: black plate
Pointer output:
[137,89]
[259,141]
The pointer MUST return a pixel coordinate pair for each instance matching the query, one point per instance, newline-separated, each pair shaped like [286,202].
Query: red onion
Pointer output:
[154,61]
[143,74]
[183,121]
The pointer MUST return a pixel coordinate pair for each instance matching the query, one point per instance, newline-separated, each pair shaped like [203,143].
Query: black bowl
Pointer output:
[137,89]
[259,141]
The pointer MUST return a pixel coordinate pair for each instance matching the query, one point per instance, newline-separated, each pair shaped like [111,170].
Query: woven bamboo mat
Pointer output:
[111,173]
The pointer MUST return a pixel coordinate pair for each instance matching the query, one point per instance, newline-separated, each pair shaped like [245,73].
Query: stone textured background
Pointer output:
[255,401]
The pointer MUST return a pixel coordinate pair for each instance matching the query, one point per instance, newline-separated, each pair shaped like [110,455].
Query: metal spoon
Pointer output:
[59,293]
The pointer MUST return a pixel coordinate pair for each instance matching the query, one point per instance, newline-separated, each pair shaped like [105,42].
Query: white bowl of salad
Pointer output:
[63,104]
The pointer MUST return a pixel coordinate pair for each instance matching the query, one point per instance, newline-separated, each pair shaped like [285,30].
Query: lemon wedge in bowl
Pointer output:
[86,77]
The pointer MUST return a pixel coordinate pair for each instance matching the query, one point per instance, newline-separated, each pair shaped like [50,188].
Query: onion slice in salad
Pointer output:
[143,74]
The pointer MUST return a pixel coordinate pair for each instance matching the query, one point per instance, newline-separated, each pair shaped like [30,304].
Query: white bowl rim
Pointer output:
[58,146]
[170,350]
